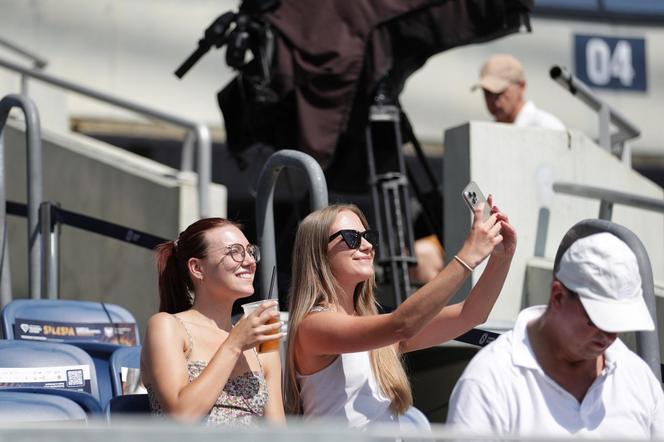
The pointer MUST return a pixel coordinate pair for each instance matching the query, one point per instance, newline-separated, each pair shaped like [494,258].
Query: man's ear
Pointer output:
[195,269]
[557,297]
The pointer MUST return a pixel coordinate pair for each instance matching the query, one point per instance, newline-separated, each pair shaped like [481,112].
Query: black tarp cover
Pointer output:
[330,54]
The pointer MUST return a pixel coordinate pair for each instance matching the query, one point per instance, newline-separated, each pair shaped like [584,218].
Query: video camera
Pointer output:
[240,32]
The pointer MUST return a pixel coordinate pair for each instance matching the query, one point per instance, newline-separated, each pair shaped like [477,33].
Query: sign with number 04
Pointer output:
[611,62]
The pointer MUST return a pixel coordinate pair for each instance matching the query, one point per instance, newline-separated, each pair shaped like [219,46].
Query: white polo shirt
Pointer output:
[531,116]
[504,391]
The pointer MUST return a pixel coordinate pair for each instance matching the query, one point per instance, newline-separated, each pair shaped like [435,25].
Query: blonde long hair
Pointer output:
[314,284]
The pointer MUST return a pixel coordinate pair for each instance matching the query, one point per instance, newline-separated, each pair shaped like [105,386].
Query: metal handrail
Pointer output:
[38,61]
[609,197]
[265,205]
[199,130]
[34,165]
[607,114]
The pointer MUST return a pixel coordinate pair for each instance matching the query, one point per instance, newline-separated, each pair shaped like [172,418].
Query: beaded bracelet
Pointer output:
[463,263]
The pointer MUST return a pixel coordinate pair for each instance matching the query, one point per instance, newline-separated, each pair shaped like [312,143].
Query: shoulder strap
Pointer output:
[259,362]
[189,337]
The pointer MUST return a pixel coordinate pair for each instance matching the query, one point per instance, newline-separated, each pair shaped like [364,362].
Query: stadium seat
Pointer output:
[129,357]
[128,404]
[50,368]
[60,313]
[98,328]
[20,406]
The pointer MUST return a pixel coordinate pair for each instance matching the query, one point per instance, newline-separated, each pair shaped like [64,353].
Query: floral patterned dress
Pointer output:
[242,400]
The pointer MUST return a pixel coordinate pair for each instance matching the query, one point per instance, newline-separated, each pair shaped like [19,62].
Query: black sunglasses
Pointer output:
[353,238]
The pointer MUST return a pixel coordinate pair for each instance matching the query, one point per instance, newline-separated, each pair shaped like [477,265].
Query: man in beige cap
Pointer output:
[503,81]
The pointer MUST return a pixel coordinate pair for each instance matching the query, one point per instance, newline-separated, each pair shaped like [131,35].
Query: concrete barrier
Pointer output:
[519,166]
[99,180]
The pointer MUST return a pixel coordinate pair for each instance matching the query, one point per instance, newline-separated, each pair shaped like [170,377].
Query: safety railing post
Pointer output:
[188,152]
[50,251]
[204,148]
[265,205]
[5,275]
[24,85]
[604,114]
[605,210]
[34,178]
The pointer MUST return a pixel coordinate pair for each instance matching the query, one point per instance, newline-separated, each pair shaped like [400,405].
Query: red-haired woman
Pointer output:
[195,364]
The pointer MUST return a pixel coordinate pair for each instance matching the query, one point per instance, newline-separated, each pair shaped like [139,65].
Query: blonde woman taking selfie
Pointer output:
[343,358]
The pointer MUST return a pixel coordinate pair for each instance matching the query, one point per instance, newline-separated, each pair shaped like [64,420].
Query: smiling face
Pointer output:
[218,272]
[349,266]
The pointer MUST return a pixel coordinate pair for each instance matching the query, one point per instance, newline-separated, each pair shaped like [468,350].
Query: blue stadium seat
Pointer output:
[20,406]
[98,328]
[50,368]
[67,312]
[129,357]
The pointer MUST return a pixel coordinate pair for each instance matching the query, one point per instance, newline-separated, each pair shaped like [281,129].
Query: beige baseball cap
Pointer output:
[498,72]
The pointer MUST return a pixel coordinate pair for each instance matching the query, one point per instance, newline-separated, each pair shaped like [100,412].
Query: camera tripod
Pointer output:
[391,182]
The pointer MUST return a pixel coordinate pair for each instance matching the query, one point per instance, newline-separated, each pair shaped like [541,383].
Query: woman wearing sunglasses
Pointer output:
[343,358]
[195,364]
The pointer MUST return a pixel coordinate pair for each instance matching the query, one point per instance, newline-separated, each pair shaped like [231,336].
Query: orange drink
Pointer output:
[272,345]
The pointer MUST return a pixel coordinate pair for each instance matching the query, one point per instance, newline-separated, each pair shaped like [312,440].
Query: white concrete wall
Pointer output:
[95,179]
[518,166]
[131,48]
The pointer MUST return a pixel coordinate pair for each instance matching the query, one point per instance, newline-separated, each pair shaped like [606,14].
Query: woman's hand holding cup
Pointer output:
[259,327]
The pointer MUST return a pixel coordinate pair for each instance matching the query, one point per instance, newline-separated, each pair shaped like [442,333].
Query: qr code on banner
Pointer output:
[75,378]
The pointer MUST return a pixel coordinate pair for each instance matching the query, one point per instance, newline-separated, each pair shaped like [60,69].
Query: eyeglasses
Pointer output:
[238,252]
[353,238]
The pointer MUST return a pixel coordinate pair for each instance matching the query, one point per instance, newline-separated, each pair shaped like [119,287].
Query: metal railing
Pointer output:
[34,174]
[608,198]
[647,343]
[265,205]
[38,62]
[614,143]
[197,132]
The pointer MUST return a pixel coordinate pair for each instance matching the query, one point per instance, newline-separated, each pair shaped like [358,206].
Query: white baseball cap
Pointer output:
[604,272]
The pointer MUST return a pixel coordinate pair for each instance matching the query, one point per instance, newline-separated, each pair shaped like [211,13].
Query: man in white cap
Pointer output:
[504,83]
[562,371]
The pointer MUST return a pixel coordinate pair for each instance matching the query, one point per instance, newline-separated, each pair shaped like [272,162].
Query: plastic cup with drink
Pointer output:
[272,345]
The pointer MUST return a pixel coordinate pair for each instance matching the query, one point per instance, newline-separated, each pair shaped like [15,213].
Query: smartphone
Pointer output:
[473,196]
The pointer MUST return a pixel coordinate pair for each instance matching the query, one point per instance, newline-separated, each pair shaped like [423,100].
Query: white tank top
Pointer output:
[345,390]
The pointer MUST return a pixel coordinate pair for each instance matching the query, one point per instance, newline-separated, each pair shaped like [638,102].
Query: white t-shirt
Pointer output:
[504,391]
[531,116]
